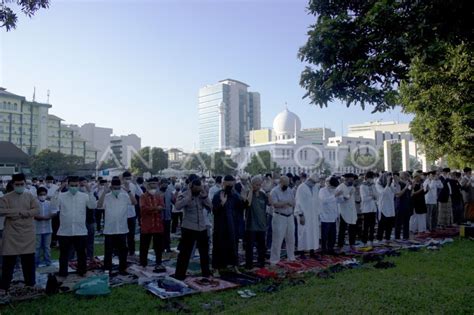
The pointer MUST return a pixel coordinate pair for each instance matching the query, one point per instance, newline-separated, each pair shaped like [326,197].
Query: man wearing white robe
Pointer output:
[307,210]
[347,211]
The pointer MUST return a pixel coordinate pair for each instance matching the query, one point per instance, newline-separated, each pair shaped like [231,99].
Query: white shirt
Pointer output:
[431,197]
[72,214]
[115,214]
[347,208]
[367,200]
[386,200]
[52,190]
[213,190]
[44,226]
[136,191]
[329,201]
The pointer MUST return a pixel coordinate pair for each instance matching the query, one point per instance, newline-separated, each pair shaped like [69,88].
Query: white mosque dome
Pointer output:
[285,123]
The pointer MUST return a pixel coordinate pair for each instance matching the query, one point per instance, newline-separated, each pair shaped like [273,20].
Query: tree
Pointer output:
[442,99]
[48,162]
[197,161]
[151,160]
[360,161]
[8,17]
[261,163]
[360,51]
[323,167]
[222,164]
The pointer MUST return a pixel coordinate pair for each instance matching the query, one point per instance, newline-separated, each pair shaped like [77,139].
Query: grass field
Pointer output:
[422,282]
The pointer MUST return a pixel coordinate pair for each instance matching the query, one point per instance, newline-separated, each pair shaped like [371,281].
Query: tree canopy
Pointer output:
[360,51]
[261,163]
[441,97]
[385,53]
[48,162]
[8,17]
[149,159]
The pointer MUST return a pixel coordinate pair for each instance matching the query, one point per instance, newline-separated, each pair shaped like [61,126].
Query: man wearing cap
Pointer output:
[445,211]
[431,186]
[152,205]
[307,210]
[347,211]
[132,215]
[193,201]
[256,223]
[227,207]
[283,224]
[72,231]
[19,236]
[115,203]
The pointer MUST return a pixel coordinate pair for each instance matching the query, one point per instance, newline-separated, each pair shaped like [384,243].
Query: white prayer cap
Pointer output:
[314,177]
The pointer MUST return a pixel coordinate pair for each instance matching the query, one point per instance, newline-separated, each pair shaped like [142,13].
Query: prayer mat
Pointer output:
[239,278]
[292,266]
[119,280]
[167,287]
[266,274]
[18,293]
[209,284]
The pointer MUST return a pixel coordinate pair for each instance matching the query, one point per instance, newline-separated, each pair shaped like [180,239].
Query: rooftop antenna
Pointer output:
[34,93]
[47,101]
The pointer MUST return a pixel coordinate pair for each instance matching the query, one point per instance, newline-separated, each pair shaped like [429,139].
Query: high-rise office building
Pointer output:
[227,112]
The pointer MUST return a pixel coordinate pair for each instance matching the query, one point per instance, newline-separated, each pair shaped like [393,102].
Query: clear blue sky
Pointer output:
[137,66]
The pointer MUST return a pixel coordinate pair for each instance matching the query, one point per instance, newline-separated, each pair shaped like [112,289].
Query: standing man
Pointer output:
[227,207]
[404,206]
[193,201]
[166,190]
[307,209]
[152,205]
[368,206]
[115,203]
[19,208]
[216,187]
[431,186]
[347,211]
[386,189]
[256,223]
[132,216]
[72,231]
[283,224]
[43,227]
[329,199]
[445,210]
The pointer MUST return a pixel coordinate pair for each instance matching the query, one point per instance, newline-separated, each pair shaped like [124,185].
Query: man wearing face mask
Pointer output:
[386,189]
[166,190]
[51,187]
[404,206]
[99,212]
[348,212]
[193,201]
[307,210]
[152,205]
[19,209]
[90,220]
[72,231]
[445,210]
[132,215]
[227,207]
[283,225]
[43,227]
[329,197]
[368,206]
[115,203]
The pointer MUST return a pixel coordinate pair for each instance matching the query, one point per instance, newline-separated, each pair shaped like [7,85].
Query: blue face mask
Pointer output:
[115,192]
[73,190]
[19,190]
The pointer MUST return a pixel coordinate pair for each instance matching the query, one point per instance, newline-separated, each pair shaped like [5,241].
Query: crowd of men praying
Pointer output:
[220,217]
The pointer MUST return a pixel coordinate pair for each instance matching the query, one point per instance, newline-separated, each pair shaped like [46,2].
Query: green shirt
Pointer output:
[257,213]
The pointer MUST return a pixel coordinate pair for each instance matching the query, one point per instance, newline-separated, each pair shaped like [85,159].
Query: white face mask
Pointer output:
[42,198]
[152,191]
